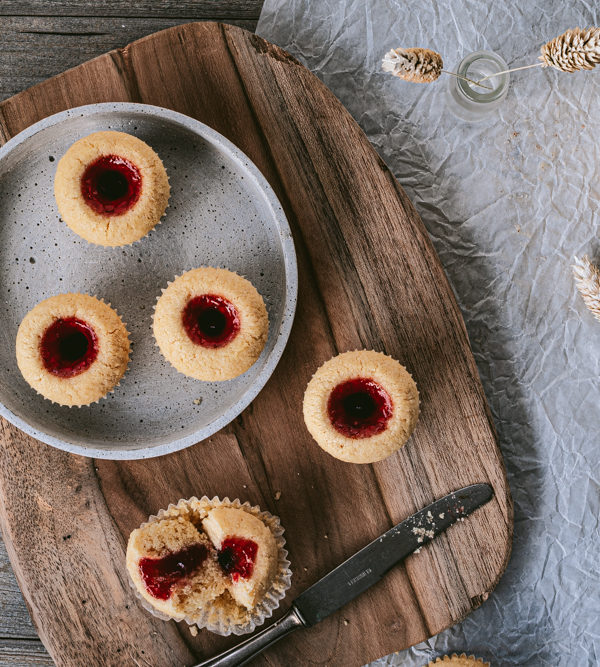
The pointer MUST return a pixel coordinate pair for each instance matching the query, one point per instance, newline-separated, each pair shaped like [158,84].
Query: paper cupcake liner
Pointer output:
[461,660]
[162,352]
[118,382]
[159,221]
[215,619]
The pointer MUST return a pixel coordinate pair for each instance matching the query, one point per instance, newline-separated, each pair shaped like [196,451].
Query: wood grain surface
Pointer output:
[369,277]
[39,39]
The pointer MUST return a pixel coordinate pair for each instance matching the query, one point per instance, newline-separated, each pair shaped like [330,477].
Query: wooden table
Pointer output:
[39,39]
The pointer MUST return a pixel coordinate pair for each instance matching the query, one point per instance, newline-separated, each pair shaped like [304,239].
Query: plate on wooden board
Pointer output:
[222,212]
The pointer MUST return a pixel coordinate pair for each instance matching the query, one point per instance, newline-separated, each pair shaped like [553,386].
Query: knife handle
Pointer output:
[242,653]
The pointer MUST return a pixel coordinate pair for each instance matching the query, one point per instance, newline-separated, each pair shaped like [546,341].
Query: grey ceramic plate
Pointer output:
[222,213]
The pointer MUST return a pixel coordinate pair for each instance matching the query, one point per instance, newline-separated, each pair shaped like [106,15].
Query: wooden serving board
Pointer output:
[369,278]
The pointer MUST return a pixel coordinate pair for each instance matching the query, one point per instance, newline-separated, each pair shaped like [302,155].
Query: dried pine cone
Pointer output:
[574,50]
[459,661]
[587,279]
[414,64]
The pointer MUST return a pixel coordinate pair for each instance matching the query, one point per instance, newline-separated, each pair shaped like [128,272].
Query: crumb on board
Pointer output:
[277,495]
[43,504]
[193,630]
[346,621]
[197,401]
[422,532]
[326,536]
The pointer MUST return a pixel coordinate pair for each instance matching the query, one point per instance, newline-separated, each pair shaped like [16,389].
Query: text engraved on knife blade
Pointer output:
[360,576]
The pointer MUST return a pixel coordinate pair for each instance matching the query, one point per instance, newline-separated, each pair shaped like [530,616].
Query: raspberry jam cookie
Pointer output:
[458,661]
[211,324]
[218,564]
[111,188]
[361,406]
[72,348]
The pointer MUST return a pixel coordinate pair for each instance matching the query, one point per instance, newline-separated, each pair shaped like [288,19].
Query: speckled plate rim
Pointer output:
[291,277]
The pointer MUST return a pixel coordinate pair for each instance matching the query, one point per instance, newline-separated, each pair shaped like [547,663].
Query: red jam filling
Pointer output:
[111,185]
[237,556]
[161,574]
[359,408]
[210,320]
[68,347]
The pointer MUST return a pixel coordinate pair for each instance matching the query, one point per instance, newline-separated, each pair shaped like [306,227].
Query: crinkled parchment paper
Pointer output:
[507,202]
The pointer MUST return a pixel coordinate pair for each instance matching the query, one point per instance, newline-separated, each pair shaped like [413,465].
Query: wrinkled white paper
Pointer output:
[508,202]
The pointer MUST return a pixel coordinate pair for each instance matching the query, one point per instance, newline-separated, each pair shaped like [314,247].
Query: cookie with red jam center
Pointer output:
[72,348]
[462,660]
[211,324]
[361,406]
[239,537]
[111,188]
[203,560]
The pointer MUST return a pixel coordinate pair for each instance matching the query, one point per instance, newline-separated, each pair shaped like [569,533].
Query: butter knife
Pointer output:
[360,571]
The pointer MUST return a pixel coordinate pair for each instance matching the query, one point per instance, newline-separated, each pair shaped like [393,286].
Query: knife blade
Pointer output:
[365,568]
[370,564]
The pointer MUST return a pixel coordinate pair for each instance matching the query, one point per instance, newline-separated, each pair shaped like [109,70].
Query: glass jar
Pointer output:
[471,102]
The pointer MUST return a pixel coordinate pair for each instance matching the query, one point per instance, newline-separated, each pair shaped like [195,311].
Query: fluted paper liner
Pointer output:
[117,382]
[62,198]
[215,619]
[235,370]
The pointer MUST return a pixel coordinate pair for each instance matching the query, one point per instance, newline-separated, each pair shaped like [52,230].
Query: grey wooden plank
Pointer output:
[35,48]
[238,9]
[15,622]
[19,643]
[23,653]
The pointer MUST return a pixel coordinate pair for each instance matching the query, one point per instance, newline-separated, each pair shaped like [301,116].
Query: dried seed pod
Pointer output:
[587,279]
[413,64]
[574,50]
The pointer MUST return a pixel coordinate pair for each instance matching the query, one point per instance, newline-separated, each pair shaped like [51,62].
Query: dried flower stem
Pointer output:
[587,279]
[507,71]
[464,78]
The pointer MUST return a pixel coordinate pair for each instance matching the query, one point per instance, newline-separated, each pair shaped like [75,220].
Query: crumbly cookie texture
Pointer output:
[224,521]
[211,364]
[114,230]
[459,661]
[208,588]
[386,372]
[157,540]
[104,373]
